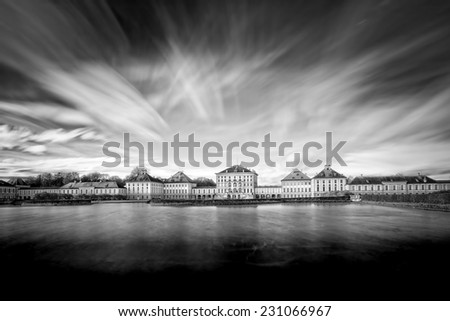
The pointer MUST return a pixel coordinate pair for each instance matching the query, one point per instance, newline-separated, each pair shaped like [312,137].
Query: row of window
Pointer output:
[180,191]
[296,195]
[204,191]
[234,184]
[329,181]
[294,183]
[329,188]
[234,178]
[176,187]
[395,187]
[145,184]
[7,190]
[298,189]
[90,191]
[173,185]
[179,196]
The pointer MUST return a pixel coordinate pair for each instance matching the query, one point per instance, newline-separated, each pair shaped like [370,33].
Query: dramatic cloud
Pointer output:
[376,74]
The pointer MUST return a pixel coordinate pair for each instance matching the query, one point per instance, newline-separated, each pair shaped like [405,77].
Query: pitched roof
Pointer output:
[328,172]
[296,175]
[370,180]
[144,177]
[237,169]
[268,186]
[17,181]
[91,184]
[5,184]
[179,177]
[39,188]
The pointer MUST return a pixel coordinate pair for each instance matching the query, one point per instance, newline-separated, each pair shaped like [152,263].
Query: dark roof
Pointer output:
[37,188]
[296,175]
[91,184]
[443,181]
[328,172]
[179,177]
[237,169]
[5,184]
[17,181]
[364,180]
[144,177]
[269,186]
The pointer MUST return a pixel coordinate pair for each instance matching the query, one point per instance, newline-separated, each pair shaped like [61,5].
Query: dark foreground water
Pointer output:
[294,252]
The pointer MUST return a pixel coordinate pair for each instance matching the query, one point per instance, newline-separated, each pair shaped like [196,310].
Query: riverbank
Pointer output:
[421,206]
[56,203]
[119,201]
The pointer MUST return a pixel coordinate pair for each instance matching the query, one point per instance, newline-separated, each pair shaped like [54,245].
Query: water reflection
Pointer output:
[121,238]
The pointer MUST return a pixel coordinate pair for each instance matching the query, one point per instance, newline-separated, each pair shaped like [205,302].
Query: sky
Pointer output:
[77,74]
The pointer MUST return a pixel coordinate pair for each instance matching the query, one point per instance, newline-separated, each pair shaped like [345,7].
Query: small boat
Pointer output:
[355,198]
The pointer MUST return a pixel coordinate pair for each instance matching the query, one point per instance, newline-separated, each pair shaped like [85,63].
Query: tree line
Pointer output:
[58,179]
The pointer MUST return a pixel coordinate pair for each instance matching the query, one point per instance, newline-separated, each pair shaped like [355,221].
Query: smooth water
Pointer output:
[133,236]
[268,252]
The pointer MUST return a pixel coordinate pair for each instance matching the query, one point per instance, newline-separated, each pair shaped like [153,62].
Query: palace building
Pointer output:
[397,184]
[179,186]
[328,183]
[204,192]
[296,185]
[92,188]
[28,193]
[7,191]
[236,182]
[144,187]
[268,191]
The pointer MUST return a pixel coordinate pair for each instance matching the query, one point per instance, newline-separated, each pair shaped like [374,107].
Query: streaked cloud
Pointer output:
[375,74]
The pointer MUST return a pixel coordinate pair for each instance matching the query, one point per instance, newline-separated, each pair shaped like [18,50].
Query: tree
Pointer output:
[70,177]
[92,177]
[46,179]
[119,181]
[57,179]
[203,181]
[137,171]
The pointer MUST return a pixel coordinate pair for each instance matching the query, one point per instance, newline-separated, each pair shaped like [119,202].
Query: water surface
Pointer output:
[258,244]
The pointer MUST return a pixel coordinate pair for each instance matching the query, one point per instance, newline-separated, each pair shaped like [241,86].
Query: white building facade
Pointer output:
[7,191]
[296,185]
[328,183]
[397,184]
[179,186]
[30,192]
[92,188]
[204,192]
[236,182]
[144,187]
[268,191]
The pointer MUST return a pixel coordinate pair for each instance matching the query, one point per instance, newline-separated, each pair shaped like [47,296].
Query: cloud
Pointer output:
[35,149]
[25,140]
[375,74]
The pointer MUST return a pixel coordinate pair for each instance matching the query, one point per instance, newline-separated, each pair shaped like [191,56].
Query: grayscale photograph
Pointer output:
[224,150]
